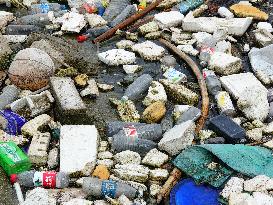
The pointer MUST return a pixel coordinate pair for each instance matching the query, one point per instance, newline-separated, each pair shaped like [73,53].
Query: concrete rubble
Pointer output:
[110,107]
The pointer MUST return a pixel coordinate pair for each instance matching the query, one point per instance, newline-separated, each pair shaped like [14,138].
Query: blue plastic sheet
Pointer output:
[14,122]
[186,192]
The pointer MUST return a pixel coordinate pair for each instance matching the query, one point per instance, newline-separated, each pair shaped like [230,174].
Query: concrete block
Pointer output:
[169,19]
[235,26]
[38,148]
[78,148]
[177,138]
[67,96]
[225,64]
[35,125]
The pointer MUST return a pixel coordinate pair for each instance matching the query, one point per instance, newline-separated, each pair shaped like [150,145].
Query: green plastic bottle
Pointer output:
[12,159]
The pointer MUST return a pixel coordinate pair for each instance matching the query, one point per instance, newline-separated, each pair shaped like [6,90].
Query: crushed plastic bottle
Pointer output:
[44,179]
[96,187]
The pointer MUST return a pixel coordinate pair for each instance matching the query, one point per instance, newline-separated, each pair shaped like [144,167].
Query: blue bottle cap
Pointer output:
[187,192]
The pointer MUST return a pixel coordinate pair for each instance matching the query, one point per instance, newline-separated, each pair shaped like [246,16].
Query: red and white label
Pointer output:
[130,131]
[45,179]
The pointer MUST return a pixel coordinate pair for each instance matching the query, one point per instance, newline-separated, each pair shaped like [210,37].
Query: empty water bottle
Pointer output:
[21,29]
[115,8]
[149,132]
[46,7]
[97,188]
[44,179]
[138,87]
[114,127]
[35,19]
[128,11]
[128,139]
[212,81]
[92,33]
[10,93]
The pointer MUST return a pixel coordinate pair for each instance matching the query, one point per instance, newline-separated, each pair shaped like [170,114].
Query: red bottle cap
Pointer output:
[82,38]
[13,178]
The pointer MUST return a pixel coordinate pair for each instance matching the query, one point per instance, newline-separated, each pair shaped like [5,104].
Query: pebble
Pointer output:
[234,186]
[95,20]
[53,158]
[255,134]
[159,174]
[188,49]
[107,162]
[131,69]
[127,157]
[81,80]
[154,112]
[155,189]
[243,10]
[155,158]
[132,172]
[102,172]
[105,155]
[105,87]
[224,12]
[91,89]
[156,93]
[125,44]
[266,26]
[148,28]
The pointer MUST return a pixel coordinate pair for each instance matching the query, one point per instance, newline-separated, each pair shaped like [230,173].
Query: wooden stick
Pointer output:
[108,34]
[201,82]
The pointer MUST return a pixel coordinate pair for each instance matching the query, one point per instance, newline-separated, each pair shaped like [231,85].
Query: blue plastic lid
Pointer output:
[186,192]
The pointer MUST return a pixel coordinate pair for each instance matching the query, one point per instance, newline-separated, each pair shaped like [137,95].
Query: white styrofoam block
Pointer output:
[78,148]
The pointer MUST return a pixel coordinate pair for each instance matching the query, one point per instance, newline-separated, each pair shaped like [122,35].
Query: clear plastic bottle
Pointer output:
[114,9]
[45,179]
[46,7]
[113,127]
[41,19]
[21,29]
[97,188]
[128,11]
[9,94]
[138,87]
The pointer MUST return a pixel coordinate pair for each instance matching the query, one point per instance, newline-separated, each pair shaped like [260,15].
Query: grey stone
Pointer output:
[192,114]
[262,63]
[177,138]
[132,172]
[127,157]
[155,158]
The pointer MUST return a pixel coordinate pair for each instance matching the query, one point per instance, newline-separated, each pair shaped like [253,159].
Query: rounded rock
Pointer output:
[154,113]
[31,69]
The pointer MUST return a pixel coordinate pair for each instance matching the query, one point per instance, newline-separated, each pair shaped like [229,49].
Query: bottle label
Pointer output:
[131,132]
[109,188]
[45,179]
[44,8]
[174,76]
[10,152]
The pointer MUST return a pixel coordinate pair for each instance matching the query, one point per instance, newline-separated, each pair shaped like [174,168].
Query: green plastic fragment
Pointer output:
[215,163]
[201,165]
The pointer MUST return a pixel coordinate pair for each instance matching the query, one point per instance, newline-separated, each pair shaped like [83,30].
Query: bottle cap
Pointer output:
[82,38]
[13,178]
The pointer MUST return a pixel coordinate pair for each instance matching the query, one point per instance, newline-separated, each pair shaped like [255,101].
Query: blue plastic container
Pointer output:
[14,122]
[186,192]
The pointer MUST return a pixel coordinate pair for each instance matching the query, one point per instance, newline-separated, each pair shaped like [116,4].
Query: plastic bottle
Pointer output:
[92,33]
[113,127]
[46,7]
[35,19]
[97,188]
[138,87]
[12,159]
[212,81]
[115,8]
[122,142]
[128,11]
[149,131]
[45,179]
[188,5]
[10,93]
[21,29]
